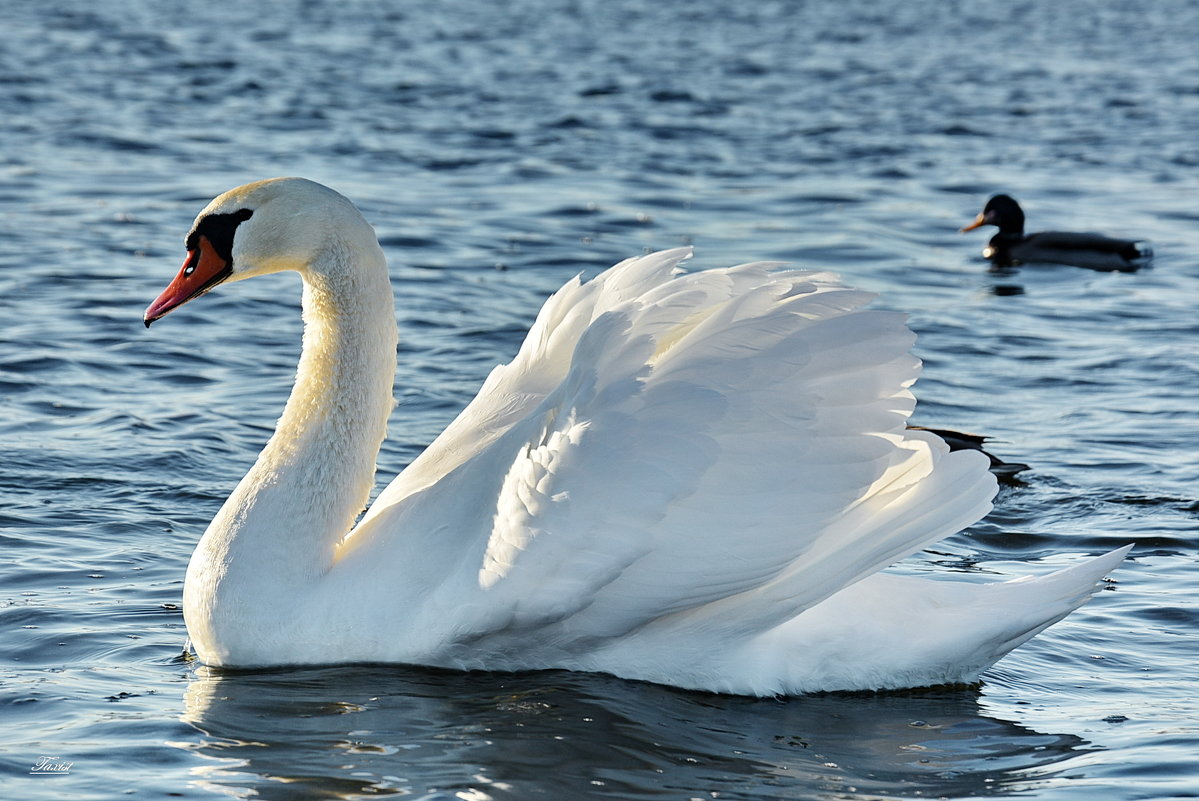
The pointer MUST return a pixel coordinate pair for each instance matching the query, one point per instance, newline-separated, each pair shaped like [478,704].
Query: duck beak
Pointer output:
[202,270]
[979,221]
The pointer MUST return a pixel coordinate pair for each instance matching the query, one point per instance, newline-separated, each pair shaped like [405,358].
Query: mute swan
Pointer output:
[685,478]
[1012,246]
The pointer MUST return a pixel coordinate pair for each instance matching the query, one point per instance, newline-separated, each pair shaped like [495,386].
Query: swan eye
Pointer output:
[193,256]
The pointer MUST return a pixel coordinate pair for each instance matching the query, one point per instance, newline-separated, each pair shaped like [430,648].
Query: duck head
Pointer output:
[1002,211]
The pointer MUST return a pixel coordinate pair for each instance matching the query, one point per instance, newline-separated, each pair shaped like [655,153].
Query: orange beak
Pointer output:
[202,270]
[979,221]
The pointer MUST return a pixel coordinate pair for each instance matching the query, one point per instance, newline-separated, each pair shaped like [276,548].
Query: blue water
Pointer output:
[500,148]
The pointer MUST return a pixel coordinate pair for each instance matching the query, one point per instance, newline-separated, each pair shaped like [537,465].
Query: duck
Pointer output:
[961,440]
[1012,247]
[693,478]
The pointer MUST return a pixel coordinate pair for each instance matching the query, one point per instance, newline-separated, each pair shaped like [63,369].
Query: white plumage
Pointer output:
[689,478]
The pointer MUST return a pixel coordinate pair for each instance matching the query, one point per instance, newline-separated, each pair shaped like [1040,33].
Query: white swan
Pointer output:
[686,478]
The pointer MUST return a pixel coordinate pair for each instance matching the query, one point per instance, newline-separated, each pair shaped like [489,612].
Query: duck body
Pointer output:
[1012,247]
[687,478]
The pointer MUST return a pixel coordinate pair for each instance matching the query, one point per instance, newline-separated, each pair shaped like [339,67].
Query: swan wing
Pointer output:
[513,390]
[678,450]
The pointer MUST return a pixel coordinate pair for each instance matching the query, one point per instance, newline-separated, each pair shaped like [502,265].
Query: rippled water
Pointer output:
[499,149]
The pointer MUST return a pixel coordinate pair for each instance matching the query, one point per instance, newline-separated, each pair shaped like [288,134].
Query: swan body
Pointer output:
[1011,246]
[686,478]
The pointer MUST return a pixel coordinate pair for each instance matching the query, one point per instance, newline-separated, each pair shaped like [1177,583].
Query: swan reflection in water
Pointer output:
[365,730]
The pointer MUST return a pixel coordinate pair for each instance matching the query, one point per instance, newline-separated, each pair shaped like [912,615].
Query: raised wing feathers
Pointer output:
[667,447]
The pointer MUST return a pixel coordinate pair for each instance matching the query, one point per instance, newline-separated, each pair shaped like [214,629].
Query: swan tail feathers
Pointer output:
[891,631]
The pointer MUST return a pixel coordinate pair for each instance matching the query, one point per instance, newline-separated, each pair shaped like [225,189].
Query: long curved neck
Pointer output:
[313,478]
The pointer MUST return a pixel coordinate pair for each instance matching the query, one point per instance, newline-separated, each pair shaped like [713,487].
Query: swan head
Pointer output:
[262,227]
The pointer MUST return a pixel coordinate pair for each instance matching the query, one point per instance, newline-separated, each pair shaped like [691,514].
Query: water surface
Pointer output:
[499,149]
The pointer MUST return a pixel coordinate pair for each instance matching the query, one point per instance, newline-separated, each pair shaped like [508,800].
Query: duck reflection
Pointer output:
[343,732]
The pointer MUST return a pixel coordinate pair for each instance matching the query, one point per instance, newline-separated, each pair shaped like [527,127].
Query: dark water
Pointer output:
[499,149]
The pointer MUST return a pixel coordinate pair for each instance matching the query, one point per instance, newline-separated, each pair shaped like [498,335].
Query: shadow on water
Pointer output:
[342,732]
